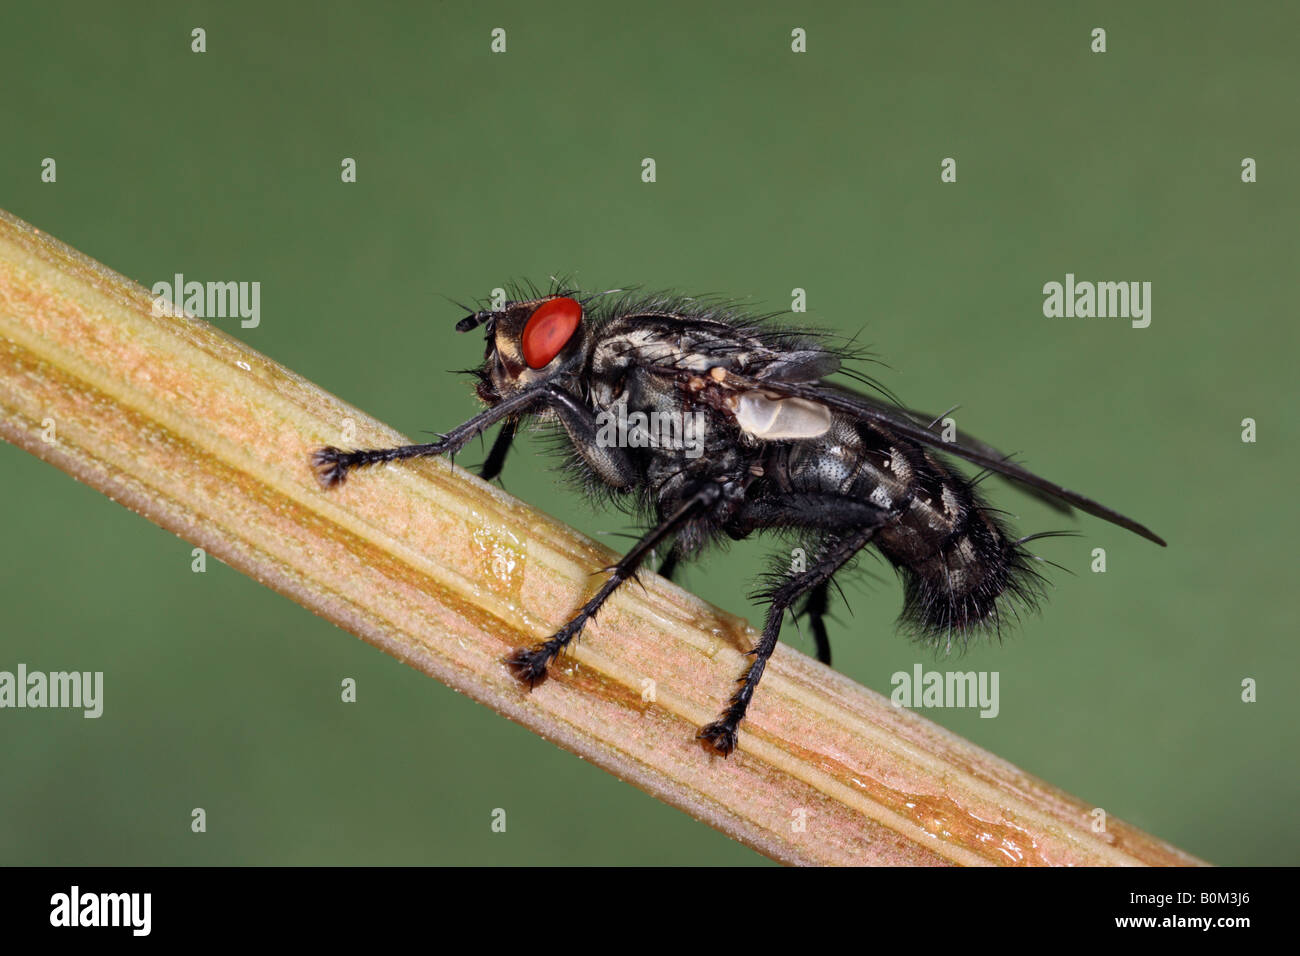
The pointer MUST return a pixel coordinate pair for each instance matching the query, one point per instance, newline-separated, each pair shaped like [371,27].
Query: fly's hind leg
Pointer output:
[720,736]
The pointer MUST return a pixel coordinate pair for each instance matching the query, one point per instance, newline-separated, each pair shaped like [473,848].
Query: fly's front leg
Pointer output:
[333,464]
[529,665]
[496,458]
[668,567]
[720,736]
[818,600]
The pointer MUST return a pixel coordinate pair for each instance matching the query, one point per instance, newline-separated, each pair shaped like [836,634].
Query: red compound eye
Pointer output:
[549,330]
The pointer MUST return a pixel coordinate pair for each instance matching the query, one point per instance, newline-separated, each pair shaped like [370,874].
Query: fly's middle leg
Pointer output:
[530,664]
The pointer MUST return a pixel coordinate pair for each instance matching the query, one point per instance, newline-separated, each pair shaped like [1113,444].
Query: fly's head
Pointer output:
[528,344]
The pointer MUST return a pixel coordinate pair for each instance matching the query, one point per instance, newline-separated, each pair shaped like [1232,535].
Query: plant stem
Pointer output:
[209,439]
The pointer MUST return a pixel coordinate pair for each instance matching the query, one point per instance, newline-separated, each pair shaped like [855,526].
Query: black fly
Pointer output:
[711,422]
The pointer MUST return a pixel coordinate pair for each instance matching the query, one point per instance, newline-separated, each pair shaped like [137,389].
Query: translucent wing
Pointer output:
[913,425]
[967,440]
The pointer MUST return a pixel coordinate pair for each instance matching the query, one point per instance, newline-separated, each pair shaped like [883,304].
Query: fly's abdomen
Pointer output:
[959,565]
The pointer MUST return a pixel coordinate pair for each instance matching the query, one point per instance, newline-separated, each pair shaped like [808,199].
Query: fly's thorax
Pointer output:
[693,347]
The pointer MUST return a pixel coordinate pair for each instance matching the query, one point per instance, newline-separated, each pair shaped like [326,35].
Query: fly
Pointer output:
[761,442]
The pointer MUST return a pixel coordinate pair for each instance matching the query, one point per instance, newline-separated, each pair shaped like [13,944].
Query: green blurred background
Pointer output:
[776,170]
